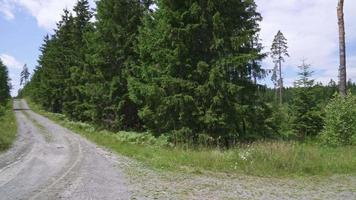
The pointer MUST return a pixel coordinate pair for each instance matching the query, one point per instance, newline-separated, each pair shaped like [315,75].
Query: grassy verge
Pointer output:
[261,159]
[8,127]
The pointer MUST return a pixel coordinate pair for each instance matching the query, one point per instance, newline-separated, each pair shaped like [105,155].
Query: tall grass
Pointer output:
[8,127]
[276,158]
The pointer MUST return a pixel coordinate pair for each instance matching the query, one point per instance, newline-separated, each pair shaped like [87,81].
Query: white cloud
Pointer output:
[6,9]
[15,68]
[46,12]
[312,33]
[11,62]
[309,25]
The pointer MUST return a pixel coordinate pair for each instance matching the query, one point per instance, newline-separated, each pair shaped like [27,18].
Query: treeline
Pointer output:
[186,69]
[179,67]
[4,86]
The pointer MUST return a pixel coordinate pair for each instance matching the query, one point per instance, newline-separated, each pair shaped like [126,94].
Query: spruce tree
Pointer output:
[307,117]
[4,84]
[75,105]
[198,60]
[57,57]
[112,55]
[38,88]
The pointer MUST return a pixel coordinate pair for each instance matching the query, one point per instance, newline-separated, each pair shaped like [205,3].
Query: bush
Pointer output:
[2,110]
[8,127]
[340,121]
[282,119]
[142,139]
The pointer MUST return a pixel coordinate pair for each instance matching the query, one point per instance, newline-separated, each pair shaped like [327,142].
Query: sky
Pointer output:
[309,25]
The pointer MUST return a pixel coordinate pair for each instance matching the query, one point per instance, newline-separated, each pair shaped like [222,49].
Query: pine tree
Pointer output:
[307,118]
[279,51]
[25,75]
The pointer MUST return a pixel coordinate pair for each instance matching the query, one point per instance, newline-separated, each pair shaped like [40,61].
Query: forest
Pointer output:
[4,86]
[187,70]
[7,119]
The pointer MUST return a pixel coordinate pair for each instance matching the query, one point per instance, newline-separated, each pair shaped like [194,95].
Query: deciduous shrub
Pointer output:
[340,121]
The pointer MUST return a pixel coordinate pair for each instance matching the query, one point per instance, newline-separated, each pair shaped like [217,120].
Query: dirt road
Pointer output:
[50,162]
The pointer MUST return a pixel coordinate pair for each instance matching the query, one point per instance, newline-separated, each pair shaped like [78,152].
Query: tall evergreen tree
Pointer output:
[4,84]
[25,75]
[113,44]
[58,55]
[75,98]
[196,72]
[279,51]
[307,118]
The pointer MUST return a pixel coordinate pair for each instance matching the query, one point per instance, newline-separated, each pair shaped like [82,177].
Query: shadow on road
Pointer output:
[20,109]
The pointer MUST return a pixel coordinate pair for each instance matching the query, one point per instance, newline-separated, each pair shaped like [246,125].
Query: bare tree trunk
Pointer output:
[281,83]
[342,46]
[276,92]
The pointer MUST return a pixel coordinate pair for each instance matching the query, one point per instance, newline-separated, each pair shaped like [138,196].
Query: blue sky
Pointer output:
[19,43]
[309,26]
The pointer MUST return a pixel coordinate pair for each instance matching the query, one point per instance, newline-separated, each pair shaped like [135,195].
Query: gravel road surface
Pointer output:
[48,161]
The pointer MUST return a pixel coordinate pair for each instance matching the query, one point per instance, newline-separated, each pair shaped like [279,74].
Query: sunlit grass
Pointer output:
[8,127]
[276,158]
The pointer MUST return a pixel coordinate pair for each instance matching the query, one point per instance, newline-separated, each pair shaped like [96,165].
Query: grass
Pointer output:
[268,159]
[8,127]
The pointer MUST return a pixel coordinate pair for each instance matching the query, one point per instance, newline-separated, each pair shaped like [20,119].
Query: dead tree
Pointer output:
[342,46]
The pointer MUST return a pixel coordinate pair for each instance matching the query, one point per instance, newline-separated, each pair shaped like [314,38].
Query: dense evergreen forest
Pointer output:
[186,69]
[4,86]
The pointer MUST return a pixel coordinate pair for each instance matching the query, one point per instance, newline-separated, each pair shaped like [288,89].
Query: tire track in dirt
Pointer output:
[88,174]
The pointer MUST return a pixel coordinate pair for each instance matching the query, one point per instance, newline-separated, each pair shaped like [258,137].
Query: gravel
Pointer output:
[69,167]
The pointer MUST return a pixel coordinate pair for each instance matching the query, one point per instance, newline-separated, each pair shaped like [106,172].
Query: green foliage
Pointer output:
[282,120]
[74,99]
[263,158]
[4,85]
[340,121]
[110,59]
[279,51]
[260,158]
[8,127]
[187,70]
[307,115]
[279,48]
[197,62]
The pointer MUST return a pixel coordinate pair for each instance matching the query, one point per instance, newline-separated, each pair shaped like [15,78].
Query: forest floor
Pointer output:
[51,162]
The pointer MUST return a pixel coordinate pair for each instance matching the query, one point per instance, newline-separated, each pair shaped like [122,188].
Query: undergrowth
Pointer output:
[8,127]
[273,158]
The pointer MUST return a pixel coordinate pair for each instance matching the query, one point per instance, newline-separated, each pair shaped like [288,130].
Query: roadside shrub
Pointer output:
[142,139]
[282,120]
[8,127]
[340,121]
[2,111]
